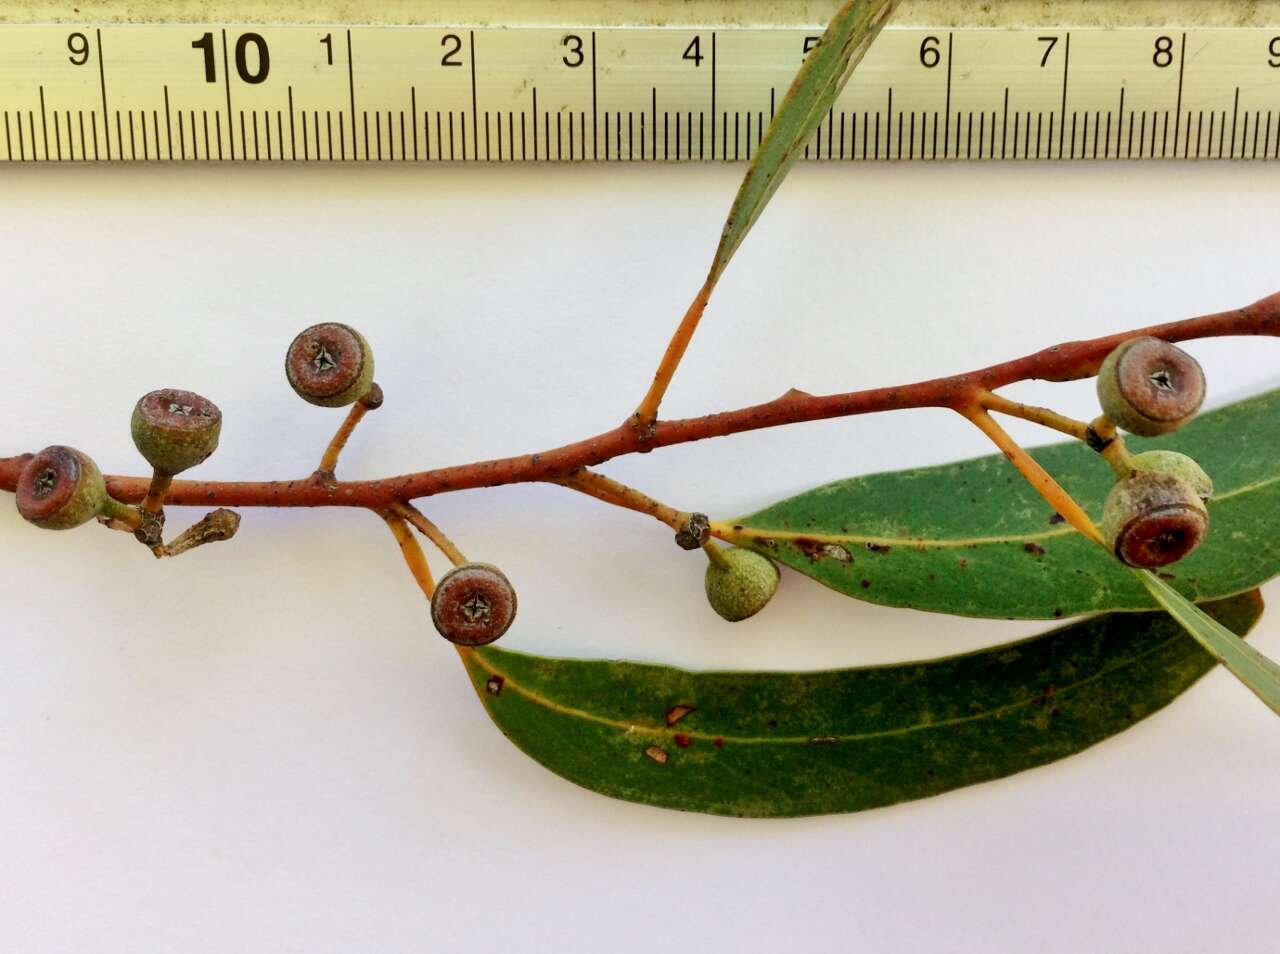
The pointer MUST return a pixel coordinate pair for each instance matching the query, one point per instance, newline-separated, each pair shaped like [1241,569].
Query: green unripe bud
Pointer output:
[330,365]
[739,583]
[1150,387]
[1179,465]
[1152,519]
[473,604]
[175,430]
[61,488]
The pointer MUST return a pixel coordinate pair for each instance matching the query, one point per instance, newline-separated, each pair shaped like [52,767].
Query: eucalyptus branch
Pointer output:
[1069,361]
[1153,515]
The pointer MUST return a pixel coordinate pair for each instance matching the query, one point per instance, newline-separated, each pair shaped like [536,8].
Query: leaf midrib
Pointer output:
[734,531]
[628,728]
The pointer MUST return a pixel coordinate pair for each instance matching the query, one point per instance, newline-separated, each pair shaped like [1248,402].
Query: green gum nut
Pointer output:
[1152,519]
[330,365]
[1178,465]
[61,488]
[739,583]
[175,430]
[1150,387]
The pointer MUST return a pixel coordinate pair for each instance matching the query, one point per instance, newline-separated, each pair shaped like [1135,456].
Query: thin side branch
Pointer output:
[370,402]
[411,550]
[1037,476]
[620,495]
[429,530]
[1037,415]
[647,412]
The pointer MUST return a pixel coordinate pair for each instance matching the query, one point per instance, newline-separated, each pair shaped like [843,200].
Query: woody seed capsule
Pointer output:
[473,604]
[61,488]
[1150,387]
[330,365]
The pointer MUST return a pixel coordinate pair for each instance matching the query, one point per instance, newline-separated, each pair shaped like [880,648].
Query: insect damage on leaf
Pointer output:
[781,744]
[1006,554]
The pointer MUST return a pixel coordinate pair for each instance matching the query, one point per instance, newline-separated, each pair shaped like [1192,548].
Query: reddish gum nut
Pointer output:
[330,365]
[473,604]
[1153,519]
[60,488]
[175,430]
[1150,387]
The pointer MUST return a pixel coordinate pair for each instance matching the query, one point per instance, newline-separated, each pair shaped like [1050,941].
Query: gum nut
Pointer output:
[1153,519]
[60,488]
[742,587]
[175,430]
[473,604]
[330,365]
[1149,387]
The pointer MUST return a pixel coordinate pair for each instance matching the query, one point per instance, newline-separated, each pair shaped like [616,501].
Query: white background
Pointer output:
[264,746]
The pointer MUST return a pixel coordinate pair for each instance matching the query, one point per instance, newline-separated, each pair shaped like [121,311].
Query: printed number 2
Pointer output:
[452,44]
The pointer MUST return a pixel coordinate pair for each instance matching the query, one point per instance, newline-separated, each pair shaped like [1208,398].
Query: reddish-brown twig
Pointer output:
[1064,362]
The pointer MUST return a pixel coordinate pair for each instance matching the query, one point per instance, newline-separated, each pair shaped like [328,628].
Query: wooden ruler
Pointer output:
[633,81]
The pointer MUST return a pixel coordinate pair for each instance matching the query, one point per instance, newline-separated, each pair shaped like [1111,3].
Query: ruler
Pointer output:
[630,81]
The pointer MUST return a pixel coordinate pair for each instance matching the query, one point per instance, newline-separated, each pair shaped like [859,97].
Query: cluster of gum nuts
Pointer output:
[329,365]
[1153,516]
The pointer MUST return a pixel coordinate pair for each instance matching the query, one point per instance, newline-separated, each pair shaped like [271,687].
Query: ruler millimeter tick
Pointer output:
[576,81]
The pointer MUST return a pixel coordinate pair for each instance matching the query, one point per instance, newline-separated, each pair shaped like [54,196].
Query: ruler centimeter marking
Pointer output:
[315,92]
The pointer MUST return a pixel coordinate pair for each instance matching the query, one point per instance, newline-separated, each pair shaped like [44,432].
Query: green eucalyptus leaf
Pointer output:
[974,539]
[777,744]
[1244,662]
[824,74]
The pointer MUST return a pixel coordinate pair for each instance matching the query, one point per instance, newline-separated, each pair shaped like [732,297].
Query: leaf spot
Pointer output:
[816,550]
[494,685]
[657,754]
[1033,548]
[682,740]
[676,713]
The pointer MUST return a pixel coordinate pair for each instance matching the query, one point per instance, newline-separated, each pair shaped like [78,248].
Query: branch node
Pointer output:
[645,432]
[150,532]
[695,532]
[1096,441]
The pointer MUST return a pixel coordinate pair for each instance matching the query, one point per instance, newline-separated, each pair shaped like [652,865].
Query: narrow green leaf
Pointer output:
[1248,665]
[812,93]
[782,744]
[974,539]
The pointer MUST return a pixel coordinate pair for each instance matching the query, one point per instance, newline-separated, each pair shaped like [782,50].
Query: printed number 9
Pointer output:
[78,44]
